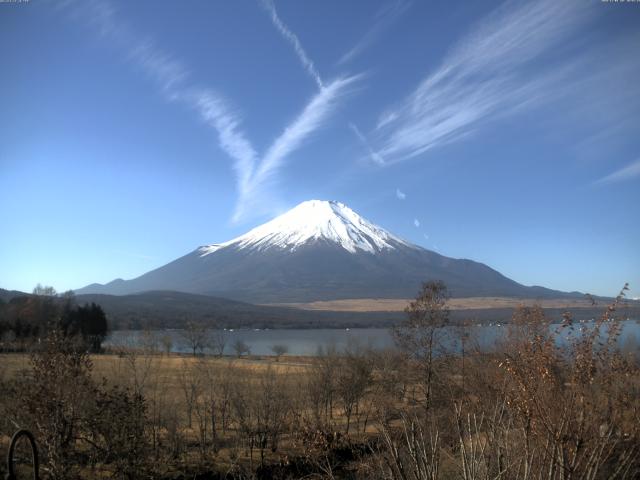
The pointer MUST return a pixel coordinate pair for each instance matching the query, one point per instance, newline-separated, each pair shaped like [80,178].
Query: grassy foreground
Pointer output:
[528,409]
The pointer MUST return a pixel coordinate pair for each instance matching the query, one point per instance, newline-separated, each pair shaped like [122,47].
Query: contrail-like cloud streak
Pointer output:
[312,117]
[629,172]
[174,83]
[292,38]
[309,66]
[383,19]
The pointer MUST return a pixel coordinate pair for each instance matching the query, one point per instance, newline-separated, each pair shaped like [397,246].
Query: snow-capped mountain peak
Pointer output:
[315,220]
[318,251]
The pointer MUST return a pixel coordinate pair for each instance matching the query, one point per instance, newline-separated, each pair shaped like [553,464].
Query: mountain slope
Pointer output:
[7,295]
[318,251]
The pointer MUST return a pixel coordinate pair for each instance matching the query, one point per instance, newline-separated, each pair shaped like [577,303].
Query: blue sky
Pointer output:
[133,132]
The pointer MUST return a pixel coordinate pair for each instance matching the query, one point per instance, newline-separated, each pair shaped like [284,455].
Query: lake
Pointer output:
[307,341]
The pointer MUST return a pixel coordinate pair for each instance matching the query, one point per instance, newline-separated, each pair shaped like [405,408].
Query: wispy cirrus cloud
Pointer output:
[213,109]
[628,172]
[253,172]
[382,20]
[400,194]
[490,73]
[173,80]
[168,72]
[292,38]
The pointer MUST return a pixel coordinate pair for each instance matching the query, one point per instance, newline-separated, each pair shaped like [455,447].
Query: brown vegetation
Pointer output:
[468,303]
[529,409]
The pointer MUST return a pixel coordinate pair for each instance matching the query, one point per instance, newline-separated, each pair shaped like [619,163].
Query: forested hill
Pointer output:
[167,309]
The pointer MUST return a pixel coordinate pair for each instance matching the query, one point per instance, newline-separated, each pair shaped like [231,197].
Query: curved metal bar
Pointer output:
[34,454]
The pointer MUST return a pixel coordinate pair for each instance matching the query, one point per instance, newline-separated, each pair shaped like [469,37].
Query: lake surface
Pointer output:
[308,341]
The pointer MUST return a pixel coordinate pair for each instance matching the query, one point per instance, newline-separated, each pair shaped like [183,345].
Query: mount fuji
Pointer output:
[319,250]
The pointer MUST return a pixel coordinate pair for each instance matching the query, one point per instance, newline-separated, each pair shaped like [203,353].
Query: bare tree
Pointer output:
[570,404]
[321,384]
[411,453]
[419,336]
[148,340]
[44,291]
[195,336]
[204,404]
[241,348]
[72,415]
[57,397]
[222,385]
[135,362]
[218,342]
[279,350]
[354,377]
[263,410]
[190,384]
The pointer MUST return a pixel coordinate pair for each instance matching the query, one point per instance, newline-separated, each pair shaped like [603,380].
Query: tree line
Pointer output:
[26,319]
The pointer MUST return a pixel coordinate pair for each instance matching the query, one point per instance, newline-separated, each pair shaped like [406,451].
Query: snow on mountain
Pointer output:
[318,251]
[315,220]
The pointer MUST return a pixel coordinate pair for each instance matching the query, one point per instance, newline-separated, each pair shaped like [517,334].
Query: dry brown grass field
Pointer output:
[180,391]
[470,303]
[113,366]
